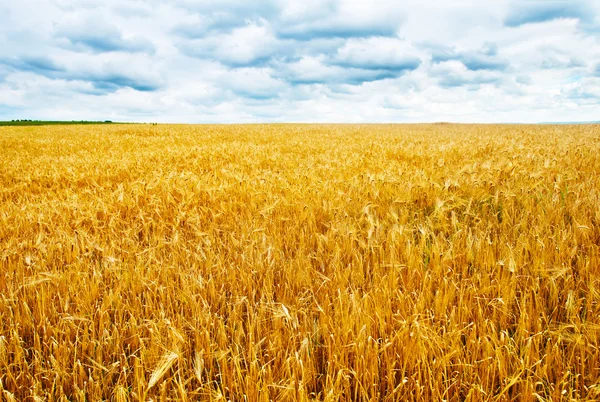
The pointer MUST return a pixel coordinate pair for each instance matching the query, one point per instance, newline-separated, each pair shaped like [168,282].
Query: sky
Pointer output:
[230,61]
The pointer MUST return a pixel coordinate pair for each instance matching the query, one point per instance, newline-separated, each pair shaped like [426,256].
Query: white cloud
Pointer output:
[341,18]
[378,53]
[284,60]
[252,82]
[310,70]
[243,46]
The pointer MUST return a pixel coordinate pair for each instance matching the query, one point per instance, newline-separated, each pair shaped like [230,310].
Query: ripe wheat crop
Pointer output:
[300,262]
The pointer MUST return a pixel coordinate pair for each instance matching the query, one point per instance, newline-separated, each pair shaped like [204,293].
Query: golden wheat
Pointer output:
[300,262]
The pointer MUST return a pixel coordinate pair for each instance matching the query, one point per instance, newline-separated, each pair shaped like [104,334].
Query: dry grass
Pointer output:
[300,262]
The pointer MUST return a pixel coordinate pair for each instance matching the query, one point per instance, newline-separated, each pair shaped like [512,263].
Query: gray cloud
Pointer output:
[111,81]
[37,64]
[304,21]
[338,19]
[345,68]
[104,79]
[452,74]
[247,46]
[398,64]
[99,37]
[485,59]
[374,59]
[586,92]
[327,29]
[224,15]
[452,80]
[97,43]
[553,62]
[350,76]
[522,12]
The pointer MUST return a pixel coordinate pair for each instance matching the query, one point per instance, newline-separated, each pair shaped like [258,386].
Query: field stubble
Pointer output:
[300,262]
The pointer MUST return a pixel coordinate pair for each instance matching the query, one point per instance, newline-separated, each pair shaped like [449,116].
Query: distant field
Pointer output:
[300,262]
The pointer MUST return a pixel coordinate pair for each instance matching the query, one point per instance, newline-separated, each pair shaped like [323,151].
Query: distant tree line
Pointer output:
[29,122]
[72,121]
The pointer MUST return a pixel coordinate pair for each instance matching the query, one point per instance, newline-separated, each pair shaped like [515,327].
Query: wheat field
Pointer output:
[300,263]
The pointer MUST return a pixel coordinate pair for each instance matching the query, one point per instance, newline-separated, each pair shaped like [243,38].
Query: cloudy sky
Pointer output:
[201,61]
